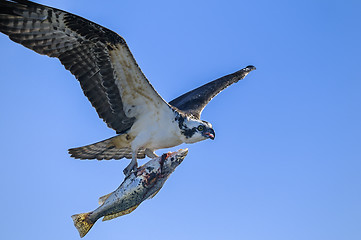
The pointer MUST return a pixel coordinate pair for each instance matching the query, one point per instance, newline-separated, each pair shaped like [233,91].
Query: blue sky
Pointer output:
[286,161]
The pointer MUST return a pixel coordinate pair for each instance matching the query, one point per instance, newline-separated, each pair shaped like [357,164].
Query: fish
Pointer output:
[142,184]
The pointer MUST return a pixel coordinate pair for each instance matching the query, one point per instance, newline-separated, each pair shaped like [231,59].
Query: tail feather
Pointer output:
[104,150]
[82,223]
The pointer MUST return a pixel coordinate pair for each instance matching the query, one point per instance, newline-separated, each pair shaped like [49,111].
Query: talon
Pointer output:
[132,167]
[150,153]
[126,172]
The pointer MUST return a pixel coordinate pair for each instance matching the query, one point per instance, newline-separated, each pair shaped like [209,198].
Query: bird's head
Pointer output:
[195,130]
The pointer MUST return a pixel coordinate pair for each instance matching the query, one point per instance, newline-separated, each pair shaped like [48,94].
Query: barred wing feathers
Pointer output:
[99,58]
[193,102]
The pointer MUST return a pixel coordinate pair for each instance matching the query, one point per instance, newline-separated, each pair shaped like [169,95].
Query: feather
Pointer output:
[193,102]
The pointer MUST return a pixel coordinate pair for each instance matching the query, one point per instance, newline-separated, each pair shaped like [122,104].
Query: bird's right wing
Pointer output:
[99,58]
[193,102]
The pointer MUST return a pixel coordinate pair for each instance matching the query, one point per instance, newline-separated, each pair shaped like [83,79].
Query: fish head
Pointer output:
[171,160]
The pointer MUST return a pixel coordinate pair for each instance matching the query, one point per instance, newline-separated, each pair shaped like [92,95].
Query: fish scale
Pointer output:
[142,184]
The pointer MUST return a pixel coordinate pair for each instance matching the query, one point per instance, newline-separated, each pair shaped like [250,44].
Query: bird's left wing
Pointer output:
[99,58]
[193,102]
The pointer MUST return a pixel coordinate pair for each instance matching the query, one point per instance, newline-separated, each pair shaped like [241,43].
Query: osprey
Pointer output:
[114,84]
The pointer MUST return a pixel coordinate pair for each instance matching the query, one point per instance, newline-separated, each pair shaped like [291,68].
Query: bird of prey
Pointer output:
[114,84]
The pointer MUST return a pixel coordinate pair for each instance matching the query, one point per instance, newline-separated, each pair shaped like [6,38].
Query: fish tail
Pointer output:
[82,223]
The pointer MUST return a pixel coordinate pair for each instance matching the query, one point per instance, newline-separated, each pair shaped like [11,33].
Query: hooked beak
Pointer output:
[209,134]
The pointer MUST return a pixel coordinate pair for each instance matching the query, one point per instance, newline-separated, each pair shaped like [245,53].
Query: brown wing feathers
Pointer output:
[193,102]
[81,46]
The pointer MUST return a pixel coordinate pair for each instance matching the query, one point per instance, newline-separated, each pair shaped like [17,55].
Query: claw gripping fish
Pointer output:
[140,185]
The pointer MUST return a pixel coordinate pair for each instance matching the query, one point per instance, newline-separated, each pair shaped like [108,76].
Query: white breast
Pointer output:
[156,130]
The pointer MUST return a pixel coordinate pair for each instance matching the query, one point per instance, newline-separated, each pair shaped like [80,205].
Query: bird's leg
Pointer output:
[150,153]
[132,165]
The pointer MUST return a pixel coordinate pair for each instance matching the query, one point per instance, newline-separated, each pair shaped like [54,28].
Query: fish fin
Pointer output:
[102,199]
[82,223]
[118,214]
[152,196]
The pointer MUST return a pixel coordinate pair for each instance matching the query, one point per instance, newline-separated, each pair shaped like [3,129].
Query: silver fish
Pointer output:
[142,184]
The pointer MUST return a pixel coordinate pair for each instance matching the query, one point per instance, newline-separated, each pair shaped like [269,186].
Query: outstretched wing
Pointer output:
[99,58]
[193,102]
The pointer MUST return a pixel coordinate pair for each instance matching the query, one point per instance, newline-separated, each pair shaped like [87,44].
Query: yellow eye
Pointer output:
[200,128]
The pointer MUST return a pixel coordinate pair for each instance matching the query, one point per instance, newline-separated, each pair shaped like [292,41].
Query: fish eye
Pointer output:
[200,128]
